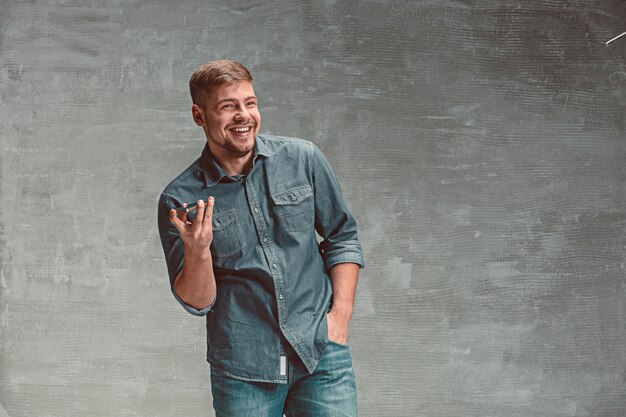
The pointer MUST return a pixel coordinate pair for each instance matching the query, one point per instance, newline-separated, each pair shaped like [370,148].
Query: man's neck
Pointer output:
[230,164]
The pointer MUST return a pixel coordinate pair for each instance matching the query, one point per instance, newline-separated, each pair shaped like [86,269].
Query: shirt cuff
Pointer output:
[191,309]
[345,257]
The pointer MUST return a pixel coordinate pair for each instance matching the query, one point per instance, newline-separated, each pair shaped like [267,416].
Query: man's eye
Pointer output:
[251,104]
[227,106]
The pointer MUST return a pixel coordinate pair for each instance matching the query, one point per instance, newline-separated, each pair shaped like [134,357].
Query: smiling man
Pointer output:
[278,303]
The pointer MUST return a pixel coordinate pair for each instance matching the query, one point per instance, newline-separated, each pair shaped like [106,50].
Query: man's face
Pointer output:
[230,119]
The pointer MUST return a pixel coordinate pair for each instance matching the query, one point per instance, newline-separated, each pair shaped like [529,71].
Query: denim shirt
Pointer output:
[273,286]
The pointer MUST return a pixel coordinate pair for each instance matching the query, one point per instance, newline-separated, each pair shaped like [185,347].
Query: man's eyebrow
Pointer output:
[232,99]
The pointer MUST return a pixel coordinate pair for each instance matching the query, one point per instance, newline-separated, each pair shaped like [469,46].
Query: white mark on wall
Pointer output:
[2,412]
[398,273]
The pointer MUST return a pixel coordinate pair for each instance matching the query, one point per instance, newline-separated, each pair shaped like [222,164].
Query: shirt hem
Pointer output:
[246,378]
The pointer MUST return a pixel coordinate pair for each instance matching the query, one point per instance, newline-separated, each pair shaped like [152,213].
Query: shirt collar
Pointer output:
[213,172]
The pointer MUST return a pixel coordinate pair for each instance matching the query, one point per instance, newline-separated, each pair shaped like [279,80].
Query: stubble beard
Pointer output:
[230,147]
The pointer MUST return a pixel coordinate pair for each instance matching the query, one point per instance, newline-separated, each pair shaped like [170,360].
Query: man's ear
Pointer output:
[198,115]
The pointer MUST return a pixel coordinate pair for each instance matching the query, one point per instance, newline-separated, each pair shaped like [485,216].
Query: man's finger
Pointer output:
[182,215]
[197,222]
[208,212]
[178,223]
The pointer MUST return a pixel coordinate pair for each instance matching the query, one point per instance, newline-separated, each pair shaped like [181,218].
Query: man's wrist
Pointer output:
[201,256]
[342,311]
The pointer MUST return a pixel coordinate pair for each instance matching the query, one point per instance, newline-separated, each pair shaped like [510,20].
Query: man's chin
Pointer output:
[239,152]
[242,145]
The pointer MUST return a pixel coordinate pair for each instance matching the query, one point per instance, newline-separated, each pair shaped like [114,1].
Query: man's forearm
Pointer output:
[195,284]
[344,277]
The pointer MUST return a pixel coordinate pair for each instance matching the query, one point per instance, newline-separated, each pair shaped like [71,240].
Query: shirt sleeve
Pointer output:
[174,250]
[333,220]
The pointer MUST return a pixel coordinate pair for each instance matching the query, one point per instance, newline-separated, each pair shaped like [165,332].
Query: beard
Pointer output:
[233,148]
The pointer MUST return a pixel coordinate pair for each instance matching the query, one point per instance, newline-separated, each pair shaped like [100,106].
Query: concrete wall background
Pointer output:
[481,146]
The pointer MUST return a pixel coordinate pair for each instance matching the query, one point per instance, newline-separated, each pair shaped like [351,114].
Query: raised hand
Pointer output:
[197,235]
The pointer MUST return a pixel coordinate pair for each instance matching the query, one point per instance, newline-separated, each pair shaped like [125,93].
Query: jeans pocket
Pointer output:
[330,341]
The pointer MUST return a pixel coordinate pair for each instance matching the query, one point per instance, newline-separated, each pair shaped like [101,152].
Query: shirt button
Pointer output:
[293,197]
[282,325]
[217,224]
[274,266]
[265,240]
[256,210]
[280,296]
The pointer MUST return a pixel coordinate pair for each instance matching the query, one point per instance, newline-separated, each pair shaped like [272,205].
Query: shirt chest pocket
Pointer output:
[228,237]
[294,208]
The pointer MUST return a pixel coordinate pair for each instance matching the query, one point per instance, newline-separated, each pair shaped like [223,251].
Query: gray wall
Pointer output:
[480,144]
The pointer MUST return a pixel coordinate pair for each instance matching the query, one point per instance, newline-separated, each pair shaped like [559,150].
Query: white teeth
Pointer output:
[241,129]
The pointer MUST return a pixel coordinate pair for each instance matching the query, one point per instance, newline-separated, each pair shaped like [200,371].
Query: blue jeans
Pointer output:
[330,391]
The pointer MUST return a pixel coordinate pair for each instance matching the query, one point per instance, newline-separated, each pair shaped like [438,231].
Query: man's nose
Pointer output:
[242,114]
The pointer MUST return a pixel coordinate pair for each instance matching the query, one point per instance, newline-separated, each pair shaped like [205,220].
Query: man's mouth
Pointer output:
[242,129]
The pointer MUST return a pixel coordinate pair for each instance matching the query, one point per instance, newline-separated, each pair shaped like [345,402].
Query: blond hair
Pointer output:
[213,74]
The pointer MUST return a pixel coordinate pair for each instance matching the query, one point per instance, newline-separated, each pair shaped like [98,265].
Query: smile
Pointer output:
[241,129]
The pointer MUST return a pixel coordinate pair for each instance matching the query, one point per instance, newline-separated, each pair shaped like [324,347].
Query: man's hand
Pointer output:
[195,284]
[196,236]
[344,277]
[338,324]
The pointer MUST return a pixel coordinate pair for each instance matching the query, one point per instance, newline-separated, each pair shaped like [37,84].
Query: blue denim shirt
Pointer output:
[273,286]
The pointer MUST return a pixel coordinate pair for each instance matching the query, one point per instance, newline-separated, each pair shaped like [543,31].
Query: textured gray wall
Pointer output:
[481,145]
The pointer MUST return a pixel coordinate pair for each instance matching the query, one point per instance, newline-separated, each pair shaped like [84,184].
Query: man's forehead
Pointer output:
[234,89]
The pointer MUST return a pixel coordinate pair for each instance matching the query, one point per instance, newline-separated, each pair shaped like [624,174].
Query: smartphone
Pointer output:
[190,208]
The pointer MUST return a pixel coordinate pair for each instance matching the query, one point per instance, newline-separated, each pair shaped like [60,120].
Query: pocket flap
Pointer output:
[292,196]
[223,219]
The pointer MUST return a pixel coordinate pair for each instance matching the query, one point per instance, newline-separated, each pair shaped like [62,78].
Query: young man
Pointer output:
[279,303]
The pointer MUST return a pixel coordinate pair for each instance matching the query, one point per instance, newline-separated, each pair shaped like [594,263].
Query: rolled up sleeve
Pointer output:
[333,220]
[174,251]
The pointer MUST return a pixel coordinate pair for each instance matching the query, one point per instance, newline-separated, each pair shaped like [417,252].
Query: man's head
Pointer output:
[205,80]
[225,106]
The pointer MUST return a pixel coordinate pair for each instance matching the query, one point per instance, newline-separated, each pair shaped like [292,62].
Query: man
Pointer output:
[278,304]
